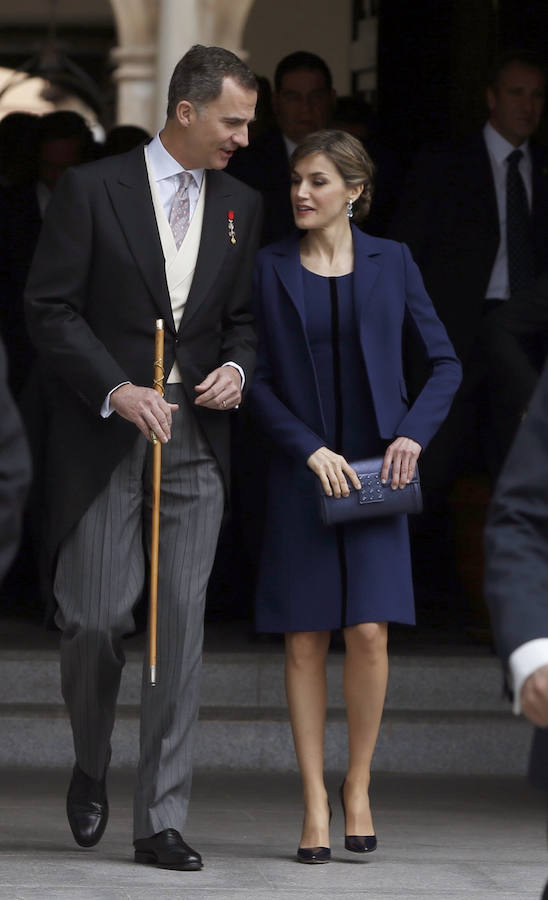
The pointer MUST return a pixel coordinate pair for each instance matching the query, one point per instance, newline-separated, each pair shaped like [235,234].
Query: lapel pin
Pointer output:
[231,232]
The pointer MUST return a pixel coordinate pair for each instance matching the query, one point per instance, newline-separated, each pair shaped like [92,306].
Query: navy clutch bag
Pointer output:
[373,500]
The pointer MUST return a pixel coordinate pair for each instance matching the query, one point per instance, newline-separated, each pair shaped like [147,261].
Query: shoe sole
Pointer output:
[148,859]
[312,862]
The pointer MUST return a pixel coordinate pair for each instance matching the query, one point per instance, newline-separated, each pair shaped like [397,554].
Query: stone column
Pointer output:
[135,75]
[135,57]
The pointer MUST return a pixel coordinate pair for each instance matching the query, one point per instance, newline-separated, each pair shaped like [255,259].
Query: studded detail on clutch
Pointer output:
[371,490]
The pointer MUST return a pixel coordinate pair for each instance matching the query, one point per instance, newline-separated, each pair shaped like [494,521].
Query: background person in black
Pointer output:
[454,216]
[516,580]
[302,101]
[516,344]
[62,139]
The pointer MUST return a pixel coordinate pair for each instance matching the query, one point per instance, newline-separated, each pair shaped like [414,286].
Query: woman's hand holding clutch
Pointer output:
[402,454]
[332,469]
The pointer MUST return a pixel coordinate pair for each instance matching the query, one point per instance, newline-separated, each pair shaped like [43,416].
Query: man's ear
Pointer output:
[185,113]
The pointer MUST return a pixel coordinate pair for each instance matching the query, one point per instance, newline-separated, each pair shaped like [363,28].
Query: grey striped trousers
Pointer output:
[100,577]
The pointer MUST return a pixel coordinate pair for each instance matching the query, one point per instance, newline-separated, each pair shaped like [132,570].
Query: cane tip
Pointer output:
[153,676]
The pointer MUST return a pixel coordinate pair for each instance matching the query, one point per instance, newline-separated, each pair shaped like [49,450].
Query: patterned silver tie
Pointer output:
[179,216]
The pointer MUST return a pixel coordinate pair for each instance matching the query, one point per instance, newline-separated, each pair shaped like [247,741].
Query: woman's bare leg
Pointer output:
[306,687]
[365,679]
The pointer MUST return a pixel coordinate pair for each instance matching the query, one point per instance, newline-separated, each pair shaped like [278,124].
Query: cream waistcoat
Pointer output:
[181,263]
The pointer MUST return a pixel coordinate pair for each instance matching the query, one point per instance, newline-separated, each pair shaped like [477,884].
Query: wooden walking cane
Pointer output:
[158,385]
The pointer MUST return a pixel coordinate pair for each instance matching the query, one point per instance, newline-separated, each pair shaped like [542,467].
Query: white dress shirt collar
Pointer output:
[498,147]
[164,165]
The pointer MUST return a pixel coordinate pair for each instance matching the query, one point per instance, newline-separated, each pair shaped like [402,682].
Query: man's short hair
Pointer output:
[198,76]
[295,62]
[527,58]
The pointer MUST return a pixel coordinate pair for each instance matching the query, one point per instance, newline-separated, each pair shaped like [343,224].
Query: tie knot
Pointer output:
[184,180]
[513,158]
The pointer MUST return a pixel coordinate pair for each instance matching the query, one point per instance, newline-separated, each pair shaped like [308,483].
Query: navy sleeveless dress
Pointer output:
[372,559]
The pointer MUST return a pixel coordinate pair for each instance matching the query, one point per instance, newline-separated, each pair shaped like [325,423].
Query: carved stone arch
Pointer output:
[225,20]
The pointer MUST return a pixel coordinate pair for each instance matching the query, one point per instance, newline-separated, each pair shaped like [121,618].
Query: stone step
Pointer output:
[451,683]
[259,739]
[444,713]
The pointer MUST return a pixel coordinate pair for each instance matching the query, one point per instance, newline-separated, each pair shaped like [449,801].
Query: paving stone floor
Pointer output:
[440,838]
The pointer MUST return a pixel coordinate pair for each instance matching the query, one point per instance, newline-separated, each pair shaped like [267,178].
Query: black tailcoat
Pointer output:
[97,286]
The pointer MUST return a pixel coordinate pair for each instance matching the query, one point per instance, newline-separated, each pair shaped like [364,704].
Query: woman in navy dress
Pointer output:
[329,388]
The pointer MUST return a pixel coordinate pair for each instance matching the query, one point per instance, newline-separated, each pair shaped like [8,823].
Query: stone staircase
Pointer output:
[444,712]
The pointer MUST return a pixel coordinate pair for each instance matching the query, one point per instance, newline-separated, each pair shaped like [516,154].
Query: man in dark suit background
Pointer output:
[454,216]
[158,232]
[516,581]
[303,102]
[62,139]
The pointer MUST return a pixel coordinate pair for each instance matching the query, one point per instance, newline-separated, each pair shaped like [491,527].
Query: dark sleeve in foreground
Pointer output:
[14,471]
[516,538]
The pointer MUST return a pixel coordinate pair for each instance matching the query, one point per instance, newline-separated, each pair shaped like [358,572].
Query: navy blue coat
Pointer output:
[299,555]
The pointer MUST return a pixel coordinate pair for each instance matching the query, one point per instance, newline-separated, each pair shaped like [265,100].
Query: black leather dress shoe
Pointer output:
[167,850]
[87,807]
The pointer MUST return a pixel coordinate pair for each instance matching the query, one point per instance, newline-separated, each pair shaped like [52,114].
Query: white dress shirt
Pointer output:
[165,171]
[498,149]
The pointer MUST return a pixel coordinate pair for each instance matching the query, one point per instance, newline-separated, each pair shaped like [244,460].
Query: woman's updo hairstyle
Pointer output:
[349,157]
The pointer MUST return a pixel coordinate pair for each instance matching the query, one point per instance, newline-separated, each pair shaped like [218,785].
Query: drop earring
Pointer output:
[349,210]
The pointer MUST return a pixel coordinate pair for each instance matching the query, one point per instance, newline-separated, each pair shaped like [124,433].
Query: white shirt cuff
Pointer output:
[523,662]
[106,410]
[240,370]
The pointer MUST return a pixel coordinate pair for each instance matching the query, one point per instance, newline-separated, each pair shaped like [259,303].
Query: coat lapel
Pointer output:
[132,203]
[367,266]
[287,263]
[214,242]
